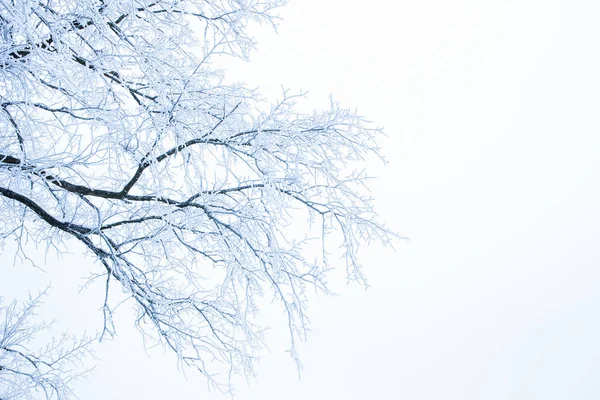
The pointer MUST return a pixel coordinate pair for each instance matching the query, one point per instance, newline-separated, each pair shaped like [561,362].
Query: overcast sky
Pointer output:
[492,114]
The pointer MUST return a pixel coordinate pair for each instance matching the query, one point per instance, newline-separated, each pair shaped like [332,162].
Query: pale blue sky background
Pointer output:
[492,115]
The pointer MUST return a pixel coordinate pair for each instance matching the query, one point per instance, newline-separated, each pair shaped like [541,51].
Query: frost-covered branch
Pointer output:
[196,197]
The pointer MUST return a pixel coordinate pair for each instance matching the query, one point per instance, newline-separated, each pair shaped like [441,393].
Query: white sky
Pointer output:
[492,115]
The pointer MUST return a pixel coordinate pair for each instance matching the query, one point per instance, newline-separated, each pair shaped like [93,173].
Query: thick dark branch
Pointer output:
[43,214]
[70,187]
[80,189]
[9,160]
[136,176]
[132,221]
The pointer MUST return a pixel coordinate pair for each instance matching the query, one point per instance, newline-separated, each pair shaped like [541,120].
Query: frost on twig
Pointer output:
[117,132]
[28,371]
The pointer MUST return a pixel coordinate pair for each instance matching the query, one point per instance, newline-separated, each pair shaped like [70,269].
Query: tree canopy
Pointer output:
[118,132]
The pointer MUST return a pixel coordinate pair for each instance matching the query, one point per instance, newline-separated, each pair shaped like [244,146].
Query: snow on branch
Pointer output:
[118,132]
[48,370]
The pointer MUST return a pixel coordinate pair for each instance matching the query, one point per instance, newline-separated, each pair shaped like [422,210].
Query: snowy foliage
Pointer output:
[118,132]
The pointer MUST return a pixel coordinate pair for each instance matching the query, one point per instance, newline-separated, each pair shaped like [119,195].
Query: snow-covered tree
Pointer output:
[118,132]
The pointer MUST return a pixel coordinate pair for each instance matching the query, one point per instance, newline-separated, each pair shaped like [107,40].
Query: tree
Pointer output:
[119,133]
